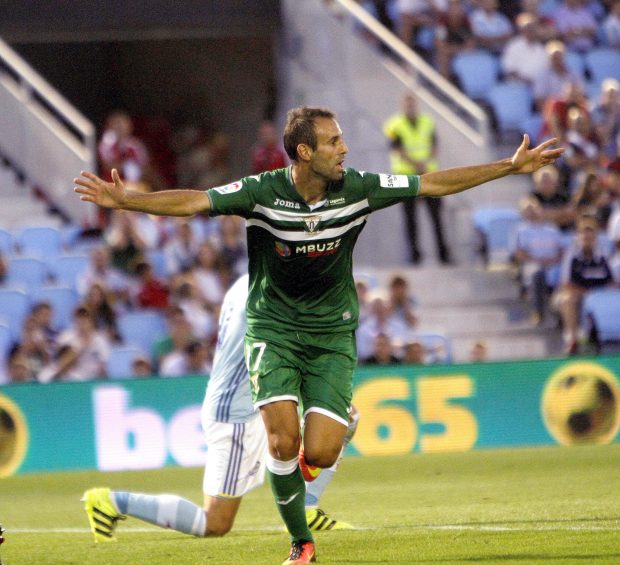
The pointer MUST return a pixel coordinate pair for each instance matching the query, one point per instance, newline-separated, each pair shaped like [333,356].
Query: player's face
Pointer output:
[328,157]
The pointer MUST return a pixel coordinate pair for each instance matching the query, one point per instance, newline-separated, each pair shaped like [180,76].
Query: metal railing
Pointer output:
[42,135]
[413,71]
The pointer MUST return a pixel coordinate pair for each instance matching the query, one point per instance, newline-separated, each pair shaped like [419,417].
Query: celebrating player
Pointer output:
[302,224]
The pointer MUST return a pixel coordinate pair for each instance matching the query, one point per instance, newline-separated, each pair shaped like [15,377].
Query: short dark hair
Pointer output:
[300,128]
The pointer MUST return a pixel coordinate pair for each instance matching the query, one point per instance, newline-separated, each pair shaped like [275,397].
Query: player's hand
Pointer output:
[526,160]
[96,190]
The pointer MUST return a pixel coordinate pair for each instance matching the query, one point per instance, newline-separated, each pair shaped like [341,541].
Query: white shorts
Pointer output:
[235,461]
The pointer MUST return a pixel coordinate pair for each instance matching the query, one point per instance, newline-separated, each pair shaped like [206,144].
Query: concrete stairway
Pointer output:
[19,205]
[470,304]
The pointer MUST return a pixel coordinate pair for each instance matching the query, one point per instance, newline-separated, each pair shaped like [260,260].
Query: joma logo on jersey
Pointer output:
[287,204]
[318,249]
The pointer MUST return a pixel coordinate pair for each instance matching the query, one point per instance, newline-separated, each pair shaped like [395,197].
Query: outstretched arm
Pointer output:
[163,203]
[525,160]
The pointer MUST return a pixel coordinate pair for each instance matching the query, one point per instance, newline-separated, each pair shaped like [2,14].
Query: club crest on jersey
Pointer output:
[282,249]
[393,181]
[312,223]
[229,188]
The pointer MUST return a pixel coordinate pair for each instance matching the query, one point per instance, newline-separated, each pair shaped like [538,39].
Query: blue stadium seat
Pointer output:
[14,308]
[65,269]
[601,315]
[483,215]
[533,127]
[602,63]
[576,62]
[63,300]
[477,72]
[438,346]
[499,238]
[6,243]
[511,102]
[26,272]
[495,225]
[39,241]
[157,259]
[120,360]
[6,340]
[142,328]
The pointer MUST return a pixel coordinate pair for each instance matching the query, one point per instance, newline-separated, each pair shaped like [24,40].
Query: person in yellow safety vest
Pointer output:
[413,143]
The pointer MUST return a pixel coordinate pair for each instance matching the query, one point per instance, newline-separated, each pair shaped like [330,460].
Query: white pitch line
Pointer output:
[447,527]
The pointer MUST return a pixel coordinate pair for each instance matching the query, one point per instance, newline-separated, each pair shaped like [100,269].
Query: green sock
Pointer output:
[289,492]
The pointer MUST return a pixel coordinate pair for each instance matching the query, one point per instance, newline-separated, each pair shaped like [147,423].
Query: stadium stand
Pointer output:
[14,307]
[142,328]
[477,72]
[120,360]
[42,242]
[457,304]
[601,318]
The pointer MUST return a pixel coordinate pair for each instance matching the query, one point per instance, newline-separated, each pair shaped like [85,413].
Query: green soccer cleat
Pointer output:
[318,521]
[102,515]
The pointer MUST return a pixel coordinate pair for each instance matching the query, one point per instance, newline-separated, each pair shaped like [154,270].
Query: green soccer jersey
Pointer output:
[300,256]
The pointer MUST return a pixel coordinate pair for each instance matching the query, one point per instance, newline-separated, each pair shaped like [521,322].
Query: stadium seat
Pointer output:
[157,259]
[142,328]
[120,360]
[603,63]
[70,235]
[14,307]
[6,339]
[482,215]
[499,237]
[65,269]
[533,127]
[576,62]
[6,243]
[438,346]
[39,241]
[63,300]
[494,225]
[26,272]
[511,102]
[601,316]
[477,72]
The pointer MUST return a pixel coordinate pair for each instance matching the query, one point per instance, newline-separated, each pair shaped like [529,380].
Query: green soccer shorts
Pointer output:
[315,370]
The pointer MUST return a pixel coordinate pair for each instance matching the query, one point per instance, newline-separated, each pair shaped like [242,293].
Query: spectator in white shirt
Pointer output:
[524,57]
[82,351]
[611,26]
[491,28]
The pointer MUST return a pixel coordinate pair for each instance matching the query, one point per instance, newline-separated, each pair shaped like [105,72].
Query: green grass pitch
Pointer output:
[543,505]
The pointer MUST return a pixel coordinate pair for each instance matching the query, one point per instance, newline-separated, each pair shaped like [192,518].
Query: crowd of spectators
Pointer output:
[567,244]
[177,268]
[541,43]
[181,268]
[569,239]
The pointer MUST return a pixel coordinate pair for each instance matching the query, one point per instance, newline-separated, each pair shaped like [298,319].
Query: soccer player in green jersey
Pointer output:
[302,224]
